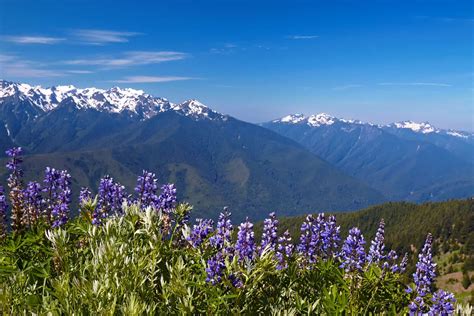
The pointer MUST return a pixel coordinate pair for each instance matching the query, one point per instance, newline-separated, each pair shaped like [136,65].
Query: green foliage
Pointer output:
[129,266]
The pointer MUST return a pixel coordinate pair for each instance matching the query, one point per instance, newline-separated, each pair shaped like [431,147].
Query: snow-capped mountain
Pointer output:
[114,100]
[315,120]
[404,160]
[211,157]
[324,119]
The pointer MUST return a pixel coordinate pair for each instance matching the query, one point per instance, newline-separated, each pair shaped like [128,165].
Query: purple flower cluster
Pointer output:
[200,231]
[245,245]
[16,187]
[14,163]
[221,239]
[376,251]
[112,195]
[319,238]
[167,199]
[84,195]
[443,303]
[269,236]
[3,214]
[215,268]
[284,250]
[57,186]
[423,277]
[353,254]
[33,202]
[146,190]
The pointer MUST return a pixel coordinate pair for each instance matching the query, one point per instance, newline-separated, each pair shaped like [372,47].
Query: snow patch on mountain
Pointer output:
[314,120]
[424,127]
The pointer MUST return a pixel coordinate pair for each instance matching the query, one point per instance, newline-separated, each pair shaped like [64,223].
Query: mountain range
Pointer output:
[404,160]
[215,160]
[293,165]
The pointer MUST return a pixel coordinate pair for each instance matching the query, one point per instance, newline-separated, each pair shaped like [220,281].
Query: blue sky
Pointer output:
[378,61]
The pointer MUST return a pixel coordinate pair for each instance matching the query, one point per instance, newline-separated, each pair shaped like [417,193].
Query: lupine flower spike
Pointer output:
[376,251]
[200,231]
[15,185]
[353,254]
[423,277]
[245,245]
[146,189]
[269,235]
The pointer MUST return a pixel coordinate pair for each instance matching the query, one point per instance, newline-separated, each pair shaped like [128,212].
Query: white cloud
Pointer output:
[80,72]
[44,40]
[347,86]
[303,37]
[102,37]
[130,59]
[151,79]
[12,66]
[432,84]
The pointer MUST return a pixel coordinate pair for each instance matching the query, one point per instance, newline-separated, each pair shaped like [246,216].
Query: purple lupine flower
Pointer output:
[15,184]
[200,231]
[417,306]
[331,237]
[390,262]
[221,240]
[215,268]
[167,199]
[146,190]
[317,240]
[353,254]
[57,186]
[443,303]
[403,263]
[51,185]
[269,235]
[319,237]
[111,198]
[304,247]
[84,195]
[425,269]
[245,245]
[236,281]
[14,163]
[423,276]
[60,211]
[33,202]
[376,251]
[3,214]
[284,250]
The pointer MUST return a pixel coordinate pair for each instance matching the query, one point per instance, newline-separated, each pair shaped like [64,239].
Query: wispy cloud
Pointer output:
[151,79]
[347,87]
[130,59]
[445,19]
[302,37]
[42,40]
[12,66]
[80,72]
[102,37]
[227,48]
[431,84]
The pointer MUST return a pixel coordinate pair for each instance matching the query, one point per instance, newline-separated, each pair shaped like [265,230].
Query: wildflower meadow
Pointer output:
[140,253]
